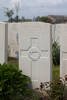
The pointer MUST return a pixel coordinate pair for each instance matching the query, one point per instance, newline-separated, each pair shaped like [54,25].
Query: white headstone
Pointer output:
[63,50]
[35,52]
[13,39]
[3,43]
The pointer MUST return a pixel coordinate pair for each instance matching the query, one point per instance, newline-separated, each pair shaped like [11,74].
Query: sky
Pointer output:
[33,8]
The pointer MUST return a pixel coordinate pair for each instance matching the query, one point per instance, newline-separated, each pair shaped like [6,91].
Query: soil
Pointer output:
[12,59]
[44,98]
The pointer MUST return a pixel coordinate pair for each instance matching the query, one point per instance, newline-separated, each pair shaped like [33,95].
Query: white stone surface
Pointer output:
[56,33]
[13,38]
[35,51]
[3,42]
[63,50]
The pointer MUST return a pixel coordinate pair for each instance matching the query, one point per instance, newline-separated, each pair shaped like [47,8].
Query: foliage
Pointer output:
[9,13]
[57,90]
[42,19]
[56,53]
[37,18]
[56,75]
[23,19]
[13,84]
[54,90]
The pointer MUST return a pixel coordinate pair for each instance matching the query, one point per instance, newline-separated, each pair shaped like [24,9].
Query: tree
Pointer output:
[17,8]
[9,13]
[43,19]
[37,18]
[23,19]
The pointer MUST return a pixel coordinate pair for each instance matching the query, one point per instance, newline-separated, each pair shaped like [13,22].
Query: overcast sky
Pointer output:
[31,8]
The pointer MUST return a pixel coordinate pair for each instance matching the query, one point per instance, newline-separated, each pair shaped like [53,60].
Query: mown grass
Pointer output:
[55,72]
[14,64]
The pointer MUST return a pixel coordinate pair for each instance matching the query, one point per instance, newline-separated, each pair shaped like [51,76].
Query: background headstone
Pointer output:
[63,50]
[56,33]
[13,40]
[3,43]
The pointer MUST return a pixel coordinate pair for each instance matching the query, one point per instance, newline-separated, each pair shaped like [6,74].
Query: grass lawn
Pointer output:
[14,64]
[55,72]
